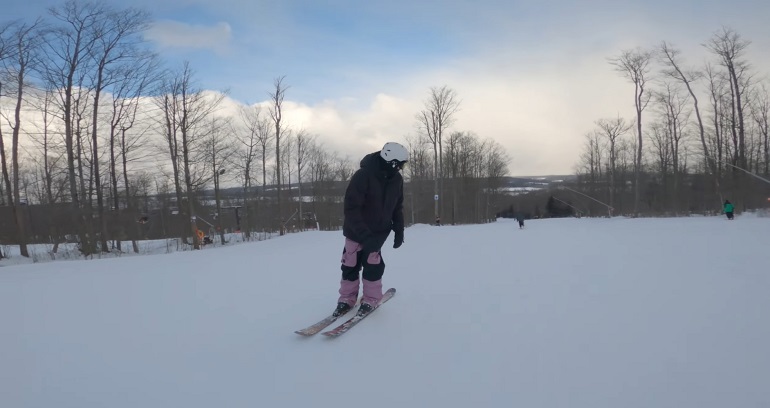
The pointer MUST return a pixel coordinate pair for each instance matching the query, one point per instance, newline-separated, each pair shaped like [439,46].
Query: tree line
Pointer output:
[698,134]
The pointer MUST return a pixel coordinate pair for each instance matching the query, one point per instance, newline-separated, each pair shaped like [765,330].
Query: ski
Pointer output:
[344,327]
[315,328]
[322,324]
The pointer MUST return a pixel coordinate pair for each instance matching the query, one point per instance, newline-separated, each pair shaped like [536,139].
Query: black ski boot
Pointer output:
[364,309]
[341,309]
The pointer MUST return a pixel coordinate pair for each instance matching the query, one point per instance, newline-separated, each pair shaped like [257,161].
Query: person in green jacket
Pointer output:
[728,209]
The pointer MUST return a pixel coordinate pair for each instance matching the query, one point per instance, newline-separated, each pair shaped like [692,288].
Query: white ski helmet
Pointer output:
[395,154]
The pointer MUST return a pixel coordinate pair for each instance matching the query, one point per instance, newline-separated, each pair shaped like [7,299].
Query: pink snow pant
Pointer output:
[353,260]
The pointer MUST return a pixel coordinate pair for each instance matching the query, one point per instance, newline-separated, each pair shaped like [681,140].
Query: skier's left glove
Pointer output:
[398,240]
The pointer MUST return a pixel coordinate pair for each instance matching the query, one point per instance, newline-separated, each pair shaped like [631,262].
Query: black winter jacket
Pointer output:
[374,201]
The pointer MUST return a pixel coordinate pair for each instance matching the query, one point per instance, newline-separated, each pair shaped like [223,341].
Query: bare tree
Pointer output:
[287,158]
[51,155]
[761,114]
[254,145]
[495,168]
[219,152]
[669,56]
[276,113]
[661,147]
[454,161]
[137,77]
[634,66]
[255,141]
[17,52]
[591,163]
[675,118]
[168,102]
[304,143]
[612,130]
[419,172]
[460,148]
[729,47]
[7,52]
[717,97]
[433,121]
[116,40]
[186,109]
[68,47]
[85,174]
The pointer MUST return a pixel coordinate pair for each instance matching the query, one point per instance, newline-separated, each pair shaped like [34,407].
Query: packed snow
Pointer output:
[594,313]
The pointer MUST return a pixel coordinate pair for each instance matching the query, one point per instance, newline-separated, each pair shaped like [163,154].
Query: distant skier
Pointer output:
[520,219]
[373,207]
[728,209]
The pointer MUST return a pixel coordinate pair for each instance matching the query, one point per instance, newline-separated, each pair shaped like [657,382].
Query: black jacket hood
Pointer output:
[375,163]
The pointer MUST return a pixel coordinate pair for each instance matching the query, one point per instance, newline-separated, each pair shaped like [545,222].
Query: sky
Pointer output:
[533,76]
[581,313]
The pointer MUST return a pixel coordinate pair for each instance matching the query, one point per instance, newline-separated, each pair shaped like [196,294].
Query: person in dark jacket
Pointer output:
[728,209]
[373,207]
[520,219]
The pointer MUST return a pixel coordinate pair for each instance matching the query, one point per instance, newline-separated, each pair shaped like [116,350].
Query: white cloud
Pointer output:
[538,111]
[175,34]
[354,131]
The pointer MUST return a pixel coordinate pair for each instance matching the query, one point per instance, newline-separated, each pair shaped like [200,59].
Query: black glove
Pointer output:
[398,239]
[370,245]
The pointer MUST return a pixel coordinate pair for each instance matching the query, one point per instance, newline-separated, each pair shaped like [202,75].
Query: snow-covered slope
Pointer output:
[565,313]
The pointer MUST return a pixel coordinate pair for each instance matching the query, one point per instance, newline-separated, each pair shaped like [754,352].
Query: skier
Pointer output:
[728,209]
[373,207]
[520,219]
